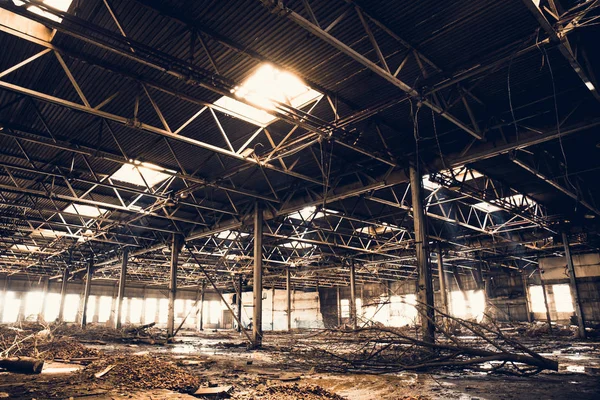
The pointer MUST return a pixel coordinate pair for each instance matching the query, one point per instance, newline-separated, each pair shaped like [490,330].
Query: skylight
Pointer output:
[517,200]
[307,213]
[231,235]
[48,233]
[61,5]
[461,174]
[378,230]
[25,247]
[84,210]
[264,88]
[294,244]
[138,172]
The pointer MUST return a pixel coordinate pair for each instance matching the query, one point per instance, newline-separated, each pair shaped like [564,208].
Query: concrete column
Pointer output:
[45,283]
[442,277]
[548,319]
[121,293]
[86,293]
[574,288]
[201,322]
[257,285]
[288,290]
[353,319]
[63,294]
[425,284]
[339,306]
[175,249]
[3,298]
[526,294]
[239,302]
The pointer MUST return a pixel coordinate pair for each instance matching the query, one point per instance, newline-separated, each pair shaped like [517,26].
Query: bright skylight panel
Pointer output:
[138,172]
[308,213]
[517,200]
[61,5]
[294,244]
[264,88]
[25,248]
[48,233]
[231,235]
[84,210]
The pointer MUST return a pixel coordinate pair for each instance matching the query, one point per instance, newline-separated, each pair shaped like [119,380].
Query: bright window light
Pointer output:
[562,298]
[62,5]
[91,308]
[150,312]
[294,244]
[11,307]
[51,307]
[71,307]
[33,305]
[214,312]
[536,299]
[266,86]
[163,311]
[473,307]
[25,248]
[84,210]
[403,310]
[135,310]
[104,308]
[345,308]
[138,172]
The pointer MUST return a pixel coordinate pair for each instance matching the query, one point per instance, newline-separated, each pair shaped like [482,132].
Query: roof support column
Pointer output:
[63,294]
[239,302]
[176,245]
[424,286]
[442,277]
[201,322]
[121,292]
[574,288]
[548,318]
[526,294]
[339,306]
[353,319]
[257,285]
[288,289]
[86,293]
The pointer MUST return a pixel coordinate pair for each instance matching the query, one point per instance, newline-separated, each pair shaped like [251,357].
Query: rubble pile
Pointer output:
[141,372]
[39,341]
[289,392]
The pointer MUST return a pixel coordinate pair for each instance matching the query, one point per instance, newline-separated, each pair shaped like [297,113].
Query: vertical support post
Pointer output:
[353,319]
[45,284]
[339,306]
[201,323]
[121,292]
[63,294]
[86,293]
[526,294]
[548,319]
[239,303]
[574,288]
[442,276]
[176,245]
[288,289]
[3,298]
[424,286]
[257,286]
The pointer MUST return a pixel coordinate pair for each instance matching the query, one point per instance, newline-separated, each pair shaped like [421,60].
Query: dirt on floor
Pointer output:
[117,369]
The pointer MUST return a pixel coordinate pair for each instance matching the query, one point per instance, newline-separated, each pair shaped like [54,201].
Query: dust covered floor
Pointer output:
[118,366]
